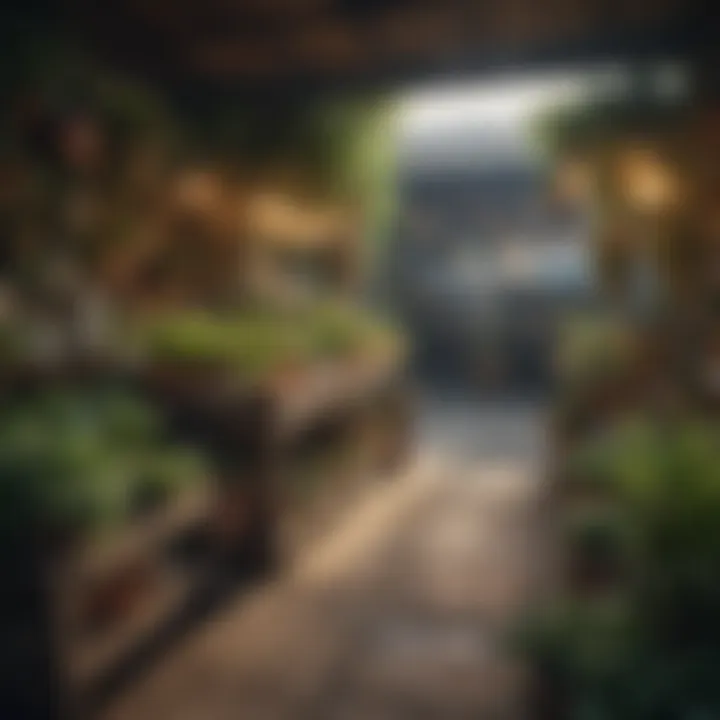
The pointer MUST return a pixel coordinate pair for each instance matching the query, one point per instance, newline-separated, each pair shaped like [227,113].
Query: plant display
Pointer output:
[248,344]
[639,437]
[82,461]
[336,330]
[256,343]
[661,525]
[579,645]
[599,375]
[130,248]
[592,348]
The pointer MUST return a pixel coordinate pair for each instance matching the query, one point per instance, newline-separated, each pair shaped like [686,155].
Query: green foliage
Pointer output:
[51,78]
[666,480]
[251,344]
[11,344]
[258,342]
[338,149]
[600,653]
[360,148]
[75,460]
[664,515]
[162,472]
[604,657]
[581,643]
[337,330]
[592,348]
[597,359]
[600,536]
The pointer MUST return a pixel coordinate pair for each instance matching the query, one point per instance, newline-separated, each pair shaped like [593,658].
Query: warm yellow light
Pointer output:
[647,183]
[283,220]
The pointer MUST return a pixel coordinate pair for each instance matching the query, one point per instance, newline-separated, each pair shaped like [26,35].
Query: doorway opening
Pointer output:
[491,251]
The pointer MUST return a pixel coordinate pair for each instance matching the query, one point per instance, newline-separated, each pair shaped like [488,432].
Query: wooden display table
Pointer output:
[252,431]
[74,616]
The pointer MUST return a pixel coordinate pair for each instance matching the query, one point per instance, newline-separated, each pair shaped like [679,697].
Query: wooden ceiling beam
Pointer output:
[266,39]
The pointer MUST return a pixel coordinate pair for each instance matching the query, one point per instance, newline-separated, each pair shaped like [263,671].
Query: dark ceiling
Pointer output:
[281,43]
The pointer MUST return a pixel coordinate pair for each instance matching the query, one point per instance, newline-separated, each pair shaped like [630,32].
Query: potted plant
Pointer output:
[78,460]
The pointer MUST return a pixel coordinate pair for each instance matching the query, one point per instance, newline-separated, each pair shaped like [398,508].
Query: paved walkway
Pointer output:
[398,614]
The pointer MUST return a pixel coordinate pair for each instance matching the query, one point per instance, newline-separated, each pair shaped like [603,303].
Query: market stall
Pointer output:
[186,373]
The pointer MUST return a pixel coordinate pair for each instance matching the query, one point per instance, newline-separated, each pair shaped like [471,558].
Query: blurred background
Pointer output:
[359,360]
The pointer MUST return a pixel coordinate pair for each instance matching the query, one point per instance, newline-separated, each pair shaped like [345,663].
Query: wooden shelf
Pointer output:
[87,658]
[164,591]
[142,535]
[288,407]
[327,389]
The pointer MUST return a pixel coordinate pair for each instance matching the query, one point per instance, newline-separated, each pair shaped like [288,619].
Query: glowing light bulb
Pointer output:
[647,182]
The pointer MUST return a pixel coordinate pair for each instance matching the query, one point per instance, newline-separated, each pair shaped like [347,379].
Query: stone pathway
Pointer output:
[399,614]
